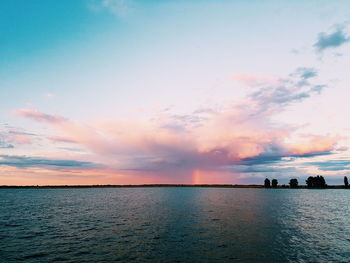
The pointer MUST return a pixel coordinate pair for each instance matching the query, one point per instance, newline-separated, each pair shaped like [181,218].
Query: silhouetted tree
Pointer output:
[316,182]
[267,183]
[321,181]
[309,181]
[293,183]
[346,182]
[274,183]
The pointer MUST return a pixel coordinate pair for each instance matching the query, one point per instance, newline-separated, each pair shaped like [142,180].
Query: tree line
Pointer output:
[311,182]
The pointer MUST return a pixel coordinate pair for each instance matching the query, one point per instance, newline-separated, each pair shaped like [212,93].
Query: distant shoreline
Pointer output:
[160,185]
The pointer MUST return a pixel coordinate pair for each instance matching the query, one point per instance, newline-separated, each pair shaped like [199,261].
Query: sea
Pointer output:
[174,224]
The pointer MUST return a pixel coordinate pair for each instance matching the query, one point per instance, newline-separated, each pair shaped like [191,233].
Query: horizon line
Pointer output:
[161,185]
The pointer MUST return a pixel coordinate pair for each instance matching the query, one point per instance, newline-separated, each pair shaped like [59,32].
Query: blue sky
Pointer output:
[160,68]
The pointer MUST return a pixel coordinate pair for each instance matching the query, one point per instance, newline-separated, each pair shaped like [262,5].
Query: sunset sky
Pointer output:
[173,91]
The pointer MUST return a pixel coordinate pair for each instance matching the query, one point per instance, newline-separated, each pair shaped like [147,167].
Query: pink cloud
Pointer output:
[10,136]
[197,146]
[61,139]
[222,139]
[39,116]
[21,139]
[315,144]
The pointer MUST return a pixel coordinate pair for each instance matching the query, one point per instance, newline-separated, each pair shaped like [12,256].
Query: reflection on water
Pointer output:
[174,225]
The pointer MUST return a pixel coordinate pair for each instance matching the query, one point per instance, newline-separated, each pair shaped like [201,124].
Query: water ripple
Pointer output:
[174,225]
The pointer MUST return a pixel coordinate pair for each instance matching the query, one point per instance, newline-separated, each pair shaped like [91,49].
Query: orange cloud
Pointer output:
[315,144]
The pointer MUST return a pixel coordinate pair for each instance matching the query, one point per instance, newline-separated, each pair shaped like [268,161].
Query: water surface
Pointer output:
[174,225]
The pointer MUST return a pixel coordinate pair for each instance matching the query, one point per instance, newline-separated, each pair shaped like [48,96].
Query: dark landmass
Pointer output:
[161,185]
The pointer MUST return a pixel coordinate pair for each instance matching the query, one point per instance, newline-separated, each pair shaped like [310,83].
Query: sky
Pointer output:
[173,91]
